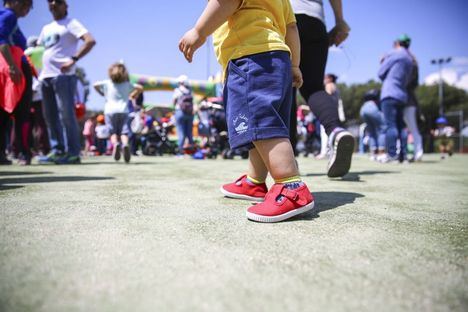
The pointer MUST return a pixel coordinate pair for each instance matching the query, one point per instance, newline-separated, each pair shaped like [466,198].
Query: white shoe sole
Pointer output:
[282,217]
[340,163]
[239,196]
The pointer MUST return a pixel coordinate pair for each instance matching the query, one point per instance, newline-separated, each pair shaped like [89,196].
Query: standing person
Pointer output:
[118,90]
[444,133]
[332,89]
[89,133]
[135,122]
[373,117]
[16,80]
[102,135]
[395,72]
[260,67]
[411,110]
[315,42]
[38,125]
[59,81]
[183,105]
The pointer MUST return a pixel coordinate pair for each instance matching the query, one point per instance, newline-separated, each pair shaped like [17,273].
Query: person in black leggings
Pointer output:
[315,42]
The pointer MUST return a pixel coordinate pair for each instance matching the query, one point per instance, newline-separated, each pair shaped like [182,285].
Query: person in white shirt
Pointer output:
[118,90]
[60,39]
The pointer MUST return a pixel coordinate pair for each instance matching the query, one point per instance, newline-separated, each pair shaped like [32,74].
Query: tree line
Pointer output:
[455,99]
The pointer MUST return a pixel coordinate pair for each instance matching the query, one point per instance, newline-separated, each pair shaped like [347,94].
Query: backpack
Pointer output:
[185,102]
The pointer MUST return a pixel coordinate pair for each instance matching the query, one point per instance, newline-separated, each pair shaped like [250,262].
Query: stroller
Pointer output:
[218,143]
[309,137]
[157,139]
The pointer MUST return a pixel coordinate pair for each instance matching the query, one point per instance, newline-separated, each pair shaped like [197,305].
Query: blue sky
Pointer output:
[145,35]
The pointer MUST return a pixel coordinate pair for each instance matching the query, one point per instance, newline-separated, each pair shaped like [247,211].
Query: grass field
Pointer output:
[156,235]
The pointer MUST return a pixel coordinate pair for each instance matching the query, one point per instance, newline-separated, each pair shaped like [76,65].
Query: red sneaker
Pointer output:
[292,203]
[241,189]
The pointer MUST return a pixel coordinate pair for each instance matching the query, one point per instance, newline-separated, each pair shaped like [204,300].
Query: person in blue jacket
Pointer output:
[395,72]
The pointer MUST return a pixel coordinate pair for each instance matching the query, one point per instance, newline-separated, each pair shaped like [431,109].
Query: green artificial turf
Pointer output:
[157,235]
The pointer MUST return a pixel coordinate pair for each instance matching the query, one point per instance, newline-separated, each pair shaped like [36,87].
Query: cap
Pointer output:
[405,39]
[183,79]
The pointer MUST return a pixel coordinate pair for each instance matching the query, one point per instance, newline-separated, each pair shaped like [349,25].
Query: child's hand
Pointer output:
[297,77]
[190,42]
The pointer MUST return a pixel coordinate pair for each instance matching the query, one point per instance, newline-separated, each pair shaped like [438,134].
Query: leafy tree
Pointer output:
[428,98]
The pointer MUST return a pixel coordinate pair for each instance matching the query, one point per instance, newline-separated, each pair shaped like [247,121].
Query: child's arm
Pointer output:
[294,44]
[97,87]
[215,14]
[137,90]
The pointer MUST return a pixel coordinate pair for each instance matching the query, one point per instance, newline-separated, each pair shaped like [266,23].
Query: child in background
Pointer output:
[102,135]
[117,91]
[89,133]
[444,134]
[373,117]
[257,44]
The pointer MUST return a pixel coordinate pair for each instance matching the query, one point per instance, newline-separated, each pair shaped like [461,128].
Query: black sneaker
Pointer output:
[341,153]
[126,153]
[116,152]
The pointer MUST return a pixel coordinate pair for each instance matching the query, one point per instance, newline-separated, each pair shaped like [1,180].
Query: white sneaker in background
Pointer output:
[341,153]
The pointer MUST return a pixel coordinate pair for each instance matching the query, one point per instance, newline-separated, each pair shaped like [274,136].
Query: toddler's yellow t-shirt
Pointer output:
[257,26]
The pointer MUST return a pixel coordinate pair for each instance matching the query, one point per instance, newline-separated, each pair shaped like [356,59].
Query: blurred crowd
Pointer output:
[43,112]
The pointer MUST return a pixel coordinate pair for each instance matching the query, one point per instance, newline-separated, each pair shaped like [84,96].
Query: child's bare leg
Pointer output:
[289,196]
[278,156]
[115,146]
[251,186]
[257,169]
[124,139]
[114,139]
[125,147]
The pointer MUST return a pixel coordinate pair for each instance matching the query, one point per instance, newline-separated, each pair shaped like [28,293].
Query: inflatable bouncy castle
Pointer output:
[204,88]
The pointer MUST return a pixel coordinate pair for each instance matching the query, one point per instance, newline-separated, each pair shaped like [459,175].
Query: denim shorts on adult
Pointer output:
[257,97]
[117,123]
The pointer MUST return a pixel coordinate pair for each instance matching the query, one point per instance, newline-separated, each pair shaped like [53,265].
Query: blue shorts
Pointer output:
[117,123]
[258,98]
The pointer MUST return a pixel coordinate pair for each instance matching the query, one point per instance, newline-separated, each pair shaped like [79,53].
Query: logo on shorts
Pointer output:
[241,124]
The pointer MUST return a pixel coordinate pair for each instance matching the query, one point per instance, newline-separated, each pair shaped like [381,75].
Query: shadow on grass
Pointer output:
[326,201]
[353,176]
[116,162]
[10,187]
[21,173]
[32,180]
[428,162]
